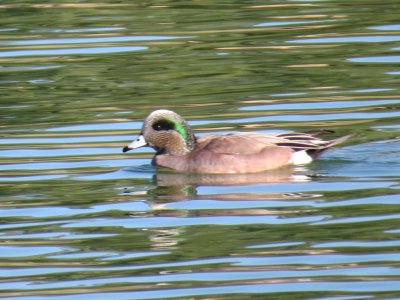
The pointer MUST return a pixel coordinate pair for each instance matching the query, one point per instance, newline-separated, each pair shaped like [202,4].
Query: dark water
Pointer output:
[81,220]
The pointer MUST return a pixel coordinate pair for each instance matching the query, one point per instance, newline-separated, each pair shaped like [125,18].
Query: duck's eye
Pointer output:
[163,125]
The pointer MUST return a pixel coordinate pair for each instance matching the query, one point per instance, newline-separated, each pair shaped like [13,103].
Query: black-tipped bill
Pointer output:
[139,142]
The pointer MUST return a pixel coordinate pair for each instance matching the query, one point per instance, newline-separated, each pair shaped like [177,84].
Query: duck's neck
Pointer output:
[188,139]
[179,142]
[185,144]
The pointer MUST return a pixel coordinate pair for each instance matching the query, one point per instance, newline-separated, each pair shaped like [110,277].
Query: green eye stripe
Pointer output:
[179,127]
[170,123]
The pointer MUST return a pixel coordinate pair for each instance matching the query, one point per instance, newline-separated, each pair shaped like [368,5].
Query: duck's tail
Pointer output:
[326,146]
[338,140]
[309,143]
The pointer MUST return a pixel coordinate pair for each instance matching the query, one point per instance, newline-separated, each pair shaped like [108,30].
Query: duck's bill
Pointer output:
[139,142]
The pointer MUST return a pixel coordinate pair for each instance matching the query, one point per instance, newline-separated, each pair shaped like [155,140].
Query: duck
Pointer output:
[179,149]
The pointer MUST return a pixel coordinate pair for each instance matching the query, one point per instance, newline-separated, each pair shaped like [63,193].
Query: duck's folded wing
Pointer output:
[236,143]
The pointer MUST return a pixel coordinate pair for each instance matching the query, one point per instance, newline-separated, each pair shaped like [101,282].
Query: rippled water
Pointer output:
[79,219]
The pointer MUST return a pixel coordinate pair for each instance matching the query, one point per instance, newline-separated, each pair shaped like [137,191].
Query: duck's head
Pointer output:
[166,132]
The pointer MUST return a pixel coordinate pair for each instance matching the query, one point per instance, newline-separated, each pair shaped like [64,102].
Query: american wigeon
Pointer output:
[178,148]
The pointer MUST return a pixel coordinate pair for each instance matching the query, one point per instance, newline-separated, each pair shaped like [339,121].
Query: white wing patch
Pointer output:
[301,158]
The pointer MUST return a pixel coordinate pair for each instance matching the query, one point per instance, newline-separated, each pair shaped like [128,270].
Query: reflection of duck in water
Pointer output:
[281,175]
[177,147]
[185,186]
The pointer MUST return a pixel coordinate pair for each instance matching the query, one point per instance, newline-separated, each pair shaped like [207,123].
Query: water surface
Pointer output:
[80,219]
